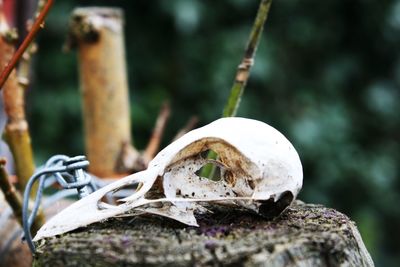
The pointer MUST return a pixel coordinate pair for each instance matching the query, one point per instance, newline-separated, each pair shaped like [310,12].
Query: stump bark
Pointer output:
[304,235]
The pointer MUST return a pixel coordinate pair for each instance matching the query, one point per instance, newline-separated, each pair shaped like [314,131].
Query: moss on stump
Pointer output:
[304,235]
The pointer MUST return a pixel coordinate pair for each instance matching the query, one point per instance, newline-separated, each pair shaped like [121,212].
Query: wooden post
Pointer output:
[98,35]
[304,235]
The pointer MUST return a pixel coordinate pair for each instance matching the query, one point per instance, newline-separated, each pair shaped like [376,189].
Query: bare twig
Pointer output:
[244,67]
[24,66]
[158,131]
[16,132]
[130,160]
[242,74]
[188,127]
[37,25]
[12,196]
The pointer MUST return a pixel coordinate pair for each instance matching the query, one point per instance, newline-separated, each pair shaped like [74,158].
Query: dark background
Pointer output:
[327,75]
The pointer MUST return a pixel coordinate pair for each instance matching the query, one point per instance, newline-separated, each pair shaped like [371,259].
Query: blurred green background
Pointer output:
[327,75]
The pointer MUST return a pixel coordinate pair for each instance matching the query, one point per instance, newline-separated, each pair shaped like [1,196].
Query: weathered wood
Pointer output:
[98,35]
[304,235]
[12,251]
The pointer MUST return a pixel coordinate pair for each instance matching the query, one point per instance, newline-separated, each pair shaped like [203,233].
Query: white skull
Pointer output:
[260,170]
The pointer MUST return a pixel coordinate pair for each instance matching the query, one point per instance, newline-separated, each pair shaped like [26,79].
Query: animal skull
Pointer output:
[260,171]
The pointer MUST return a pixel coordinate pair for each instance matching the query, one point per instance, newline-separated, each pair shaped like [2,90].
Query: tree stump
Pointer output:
[12,251]
[304,235]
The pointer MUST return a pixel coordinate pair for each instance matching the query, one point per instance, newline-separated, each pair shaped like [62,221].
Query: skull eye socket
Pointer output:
[212,169]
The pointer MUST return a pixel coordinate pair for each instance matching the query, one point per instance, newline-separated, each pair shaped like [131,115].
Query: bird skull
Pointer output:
[259,170]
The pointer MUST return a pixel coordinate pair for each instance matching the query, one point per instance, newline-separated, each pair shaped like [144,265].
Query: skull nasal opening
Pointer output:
[114,196]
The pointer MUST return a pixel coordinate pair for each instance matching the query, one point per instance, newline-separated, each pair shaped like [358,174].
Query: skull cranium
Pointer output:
[258,167]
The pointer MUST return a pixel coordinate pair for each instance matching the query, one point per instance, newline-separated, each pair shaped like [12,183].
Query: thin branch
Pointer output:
[158,131]
[24,66]
[188,127]
[16,132]
[37,25]
[242,75]
[130,160]
[243,71]
[14,198]
[11,195]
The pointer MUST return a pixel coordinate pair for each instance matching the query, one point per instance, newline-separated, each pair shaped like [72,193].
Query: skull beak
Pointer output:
[91,209]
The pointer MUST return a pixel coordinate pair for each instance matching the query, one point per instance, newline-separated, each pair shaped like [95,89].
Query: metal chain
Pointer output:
[68,173]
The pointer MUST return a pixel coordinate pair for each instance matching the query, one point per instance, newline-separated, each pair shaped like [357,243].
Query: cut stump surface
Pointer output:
[304,235]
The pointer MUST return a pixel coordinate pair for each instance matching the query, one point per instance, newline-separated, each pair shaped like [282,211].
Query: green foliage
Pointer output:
[327,74]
